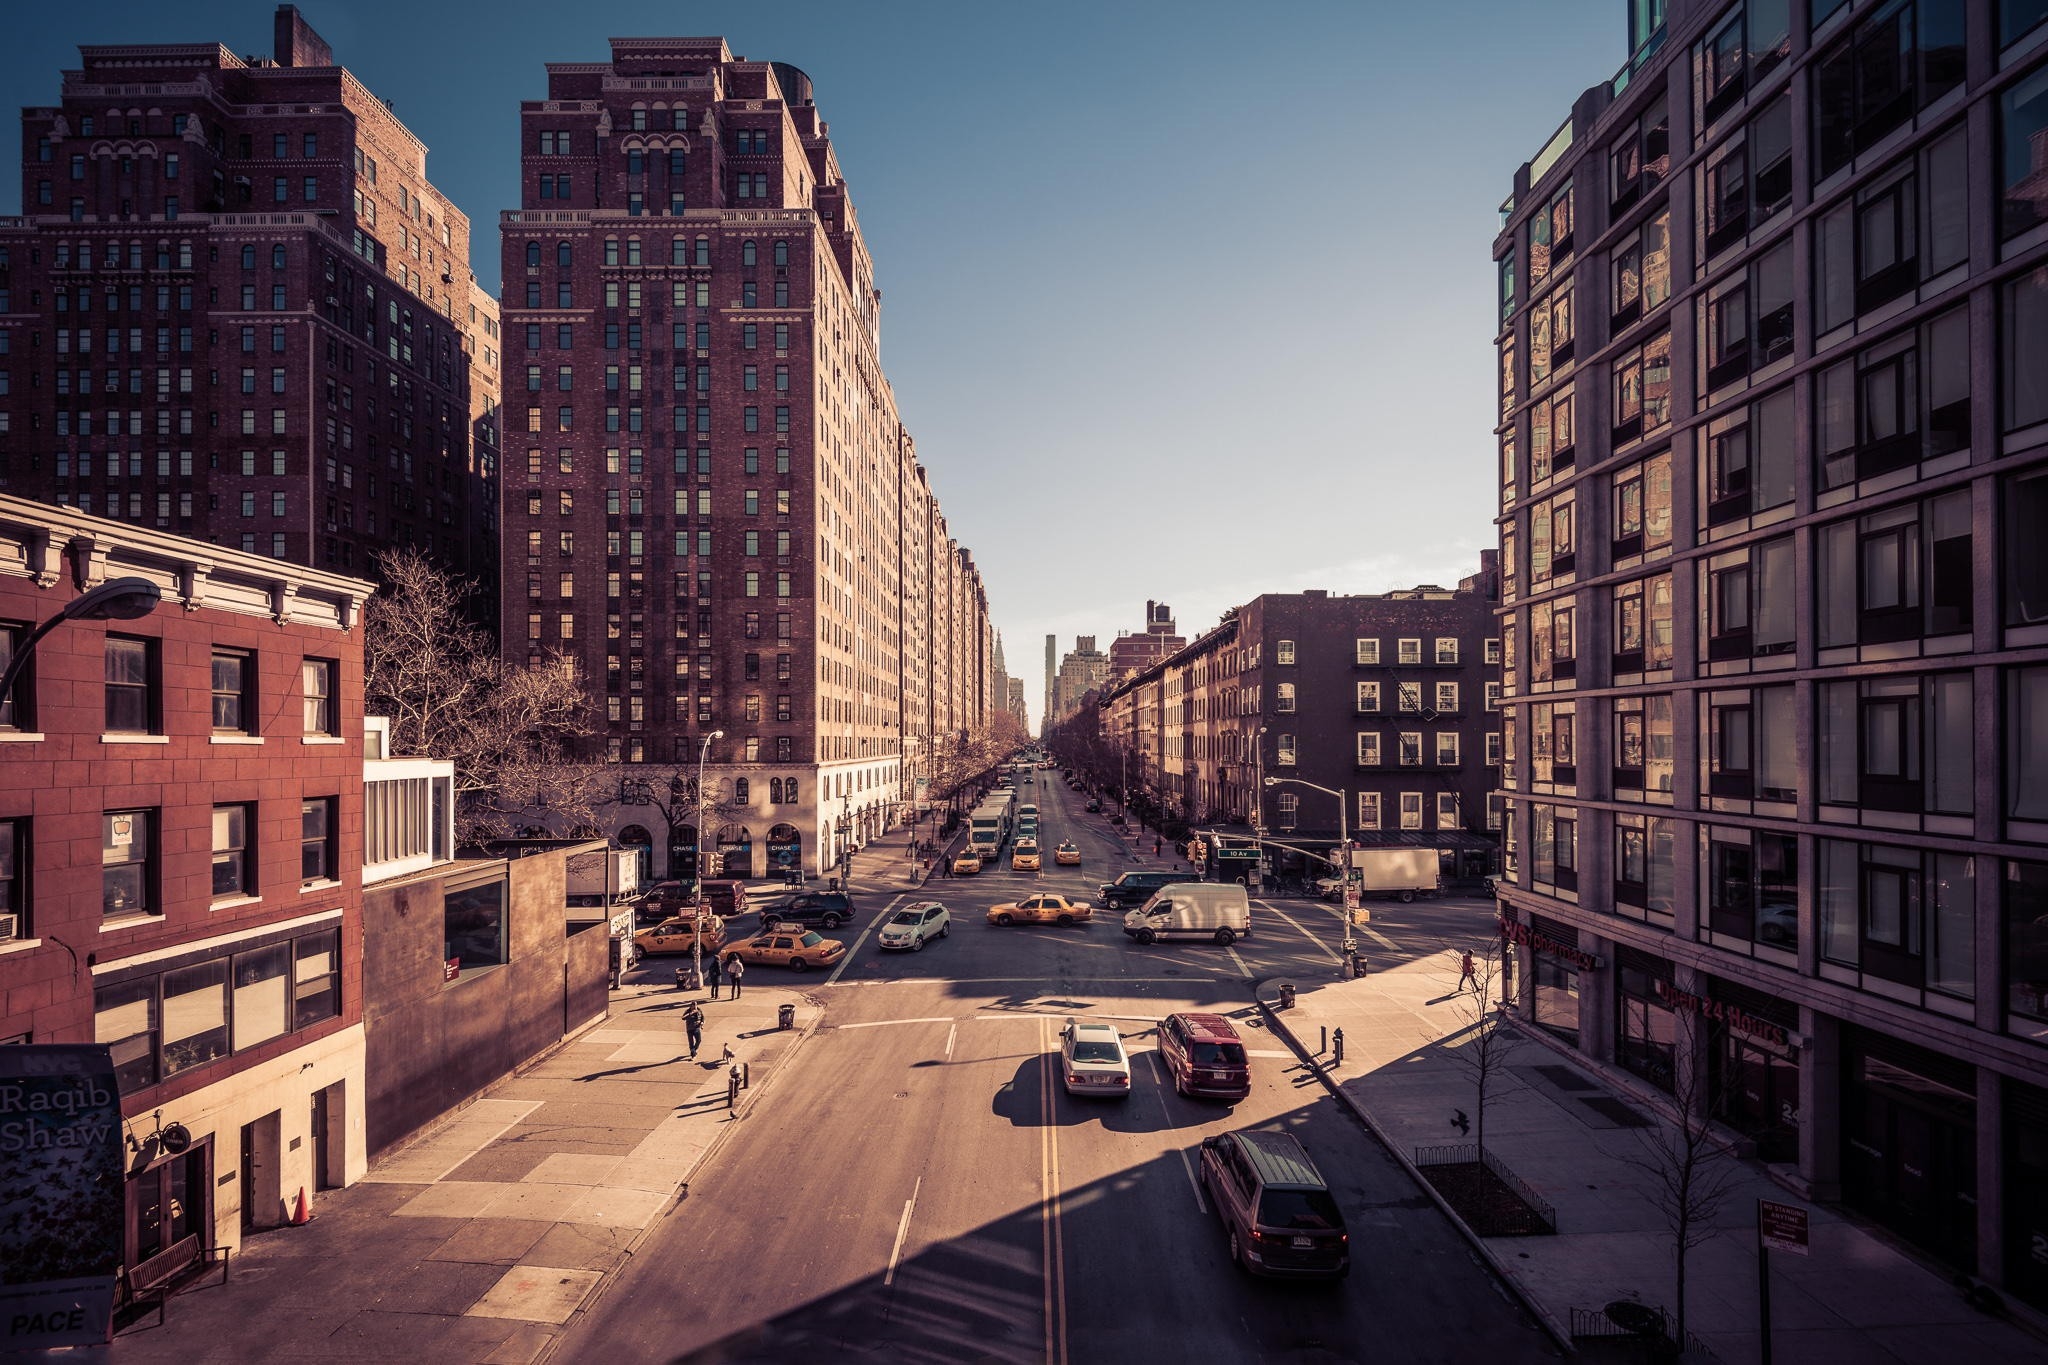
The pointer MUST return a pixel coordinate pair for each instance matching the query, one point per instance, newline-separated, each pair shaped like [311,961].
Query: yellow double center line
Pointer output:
[1052,1238]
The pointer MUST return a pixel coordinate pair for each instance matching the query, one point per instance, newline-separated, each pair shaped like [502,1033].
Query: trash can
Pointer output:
[1287,995]
[785,1016]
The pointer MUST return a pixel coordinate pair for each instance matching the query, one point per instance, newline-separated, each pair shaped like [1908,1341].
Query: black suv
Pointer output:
[812,909]
[1135,888]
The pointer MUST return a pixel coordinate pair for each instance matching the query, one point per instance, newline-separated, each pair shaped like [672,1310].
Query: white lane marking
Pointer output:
[902,1231]
[1165,1077]
[854,951]
[951,1034]
[1296,925]
[1375,935]
[1242,966]
[883,1023]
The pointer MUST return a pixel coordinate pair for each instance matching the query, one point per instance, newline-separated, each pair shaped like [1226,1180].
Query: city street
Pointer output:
[919,1185]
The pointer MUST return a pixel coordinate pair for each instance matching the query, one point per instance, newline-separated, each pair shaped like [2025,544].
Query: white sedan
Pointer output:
[1093,1060]
[914,926]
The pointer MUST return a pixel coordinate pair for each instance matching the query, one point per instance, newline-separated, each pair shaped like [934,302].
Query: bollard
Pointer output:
[732,1087]
[1325,1047]
[746,1075]
[1287,995]
[1337,1046]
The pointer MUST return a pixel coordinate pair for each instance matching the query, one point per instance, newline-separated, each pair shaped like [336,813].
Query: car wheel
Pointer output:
[945,929]
[1225,937]
[797,964]
[1236,1249]
[917,944]
[1145,937]
[1407,896]
[832,921]
[1065,920]
[1004,920]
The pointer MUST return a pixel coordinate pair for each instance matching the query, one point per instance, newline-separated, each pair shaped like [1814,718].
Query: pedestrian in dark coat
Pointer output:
[1468,971]
[715,974]
[736,969]
[693,1025]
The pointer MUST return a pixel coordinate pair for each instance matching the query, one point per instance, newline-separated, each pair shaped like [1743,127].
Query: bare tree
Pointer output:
[670,790]
[514,732]
[1690,1175]
[1485,1037]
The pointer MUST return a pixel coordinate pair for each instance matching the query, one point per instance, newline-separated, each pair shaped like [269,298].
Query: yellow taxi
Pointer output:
[787,945]
[679,935]
[967,864]
[1044,909]
[1067,855]
[1024,858]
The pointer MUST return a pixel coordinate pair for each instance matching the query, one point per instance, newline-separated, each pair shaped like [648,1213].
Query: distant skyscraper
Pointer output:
[236,308]
[1083,669]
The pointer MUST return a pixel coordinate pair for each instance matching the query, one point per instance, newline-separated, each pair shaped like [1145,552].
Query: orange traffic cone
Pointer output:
[301,1215]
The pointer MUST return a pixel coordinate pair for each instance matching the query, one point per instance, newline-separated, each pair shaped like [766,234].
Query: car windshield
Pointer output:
[810,940]
[1306,1209]
[1096,1052]
[1218,1054]
[908,917]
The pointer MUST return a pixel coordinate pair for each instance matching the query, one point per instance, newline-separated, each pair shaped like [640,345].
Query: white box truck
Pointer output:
[1401,872]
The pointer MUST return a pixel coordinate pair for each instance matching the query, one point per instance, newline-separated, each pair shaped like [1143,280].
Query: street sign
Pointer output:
[1351,895]
[1247,855]
[1781,1227]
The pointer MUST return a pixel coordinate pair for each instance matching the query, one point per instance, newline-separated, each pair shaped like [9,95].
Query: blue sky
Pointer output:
[1181,301]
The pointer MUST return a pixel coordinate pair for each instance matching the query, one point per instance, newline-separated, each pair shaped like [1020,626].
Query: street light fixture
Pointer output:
[697,937]
[117,599]
[1343,828]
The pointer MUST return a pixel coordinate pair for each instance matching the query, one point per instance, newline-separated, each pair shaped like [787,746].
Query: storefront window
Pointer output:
[1648,1037]
[2026,941]
[1556,998]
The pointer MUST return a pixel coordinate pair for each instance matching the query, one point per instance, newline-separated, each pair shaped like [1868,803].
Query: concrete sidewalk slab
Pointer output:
[1567,1131]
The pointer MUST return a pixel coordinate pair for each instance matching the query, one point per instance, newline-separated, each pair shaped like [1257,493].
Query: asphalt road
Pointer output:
[915,1185]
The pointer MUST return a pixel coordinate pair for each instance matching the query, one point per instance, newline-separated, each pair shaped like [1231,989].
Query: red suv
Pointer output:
[1205,1056]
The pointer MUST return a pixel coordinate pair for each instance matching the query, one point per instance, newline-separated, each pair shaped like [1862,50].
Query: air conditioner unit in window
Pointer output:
[10,927]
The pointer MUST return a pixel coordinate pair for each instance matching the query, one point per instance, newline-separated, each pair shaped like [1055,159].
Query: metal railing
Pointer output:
[1537,1217]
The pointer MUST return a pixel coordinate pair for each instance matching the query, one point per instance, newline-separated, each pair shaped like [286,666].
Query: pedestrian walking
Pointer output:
[735,970]
[693,1025]
[1468,971]
[715,974]
[1156,846]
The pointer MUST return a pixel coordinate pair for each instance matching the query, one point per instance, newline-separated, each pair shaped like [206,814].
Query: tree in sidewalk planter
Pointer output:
[1486,1034]
[670,789]
[516,733]
[1690,1173]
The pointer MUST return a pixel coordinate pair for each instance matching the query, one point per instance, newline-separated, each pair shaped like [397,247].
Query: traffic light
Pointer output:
[1197,851]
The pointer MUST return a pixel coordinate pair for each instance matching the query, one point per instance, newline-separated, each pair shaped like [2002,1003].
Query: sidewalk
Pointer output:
[476,1240]
[1856,1298]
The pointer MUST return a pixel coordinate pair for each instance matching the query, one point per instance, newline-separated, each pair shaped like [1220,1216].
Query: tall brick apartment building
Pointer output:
[1386,698]
[234,308]
[711,505]
[180,864]
[1774,440]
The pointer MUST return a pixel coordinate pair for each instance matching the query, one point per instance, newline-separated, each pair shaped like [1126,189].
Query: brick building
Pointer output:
[712,507]
[1130,652]
[180,834]
[1773,440]
[236,309]
[1386,698]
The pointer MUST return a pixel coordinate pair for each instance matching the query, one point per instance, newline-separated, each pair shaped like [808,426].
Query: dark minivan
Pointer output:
[1135,888]
[1205,1056]
[1276,1207]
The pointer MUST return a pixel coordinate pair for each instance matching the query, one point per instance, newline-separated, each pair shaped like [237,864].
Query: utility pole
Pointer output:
[697,934]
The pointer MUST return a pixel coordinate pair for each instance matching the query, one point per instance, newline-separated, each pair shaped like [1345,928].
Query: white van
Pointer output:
[1218,911]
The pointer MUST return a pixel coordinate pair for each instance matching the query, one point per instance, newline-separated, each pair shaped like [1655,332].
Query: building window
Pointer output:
[1900,914]
[1447,650]
[1447,748]
[1283,697]
[321,710]
[127,863]
[1368,810]
[1901,574]
[1639,159]
[1898,743]
[1368,697]
[1640,270]
[1745,320]
[1366,651]
[1368,748]
[475,930]
[1751,744]
[1447,811]
[234,682]
[2026,744]
[1411,810]
[1284,652]
[14,898]
[1642,390]
[234,872]
[2026,938]
[1908,224]
[17,708]
[1285,751]
[1287,810]
[1896,61]
[131,697]
[318,822]
[2023,349]
[1747,596]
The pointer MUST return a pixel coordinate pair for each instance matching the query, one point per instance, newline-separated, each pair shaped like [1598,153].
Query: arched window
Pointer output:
[782,253]
[740,790]
[277,257]
[533,253]
[249,256]
[563,256]
[747,252]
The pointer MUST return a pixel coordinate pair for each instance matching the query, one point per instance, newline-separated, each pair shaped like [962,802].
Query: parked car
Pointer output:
[666,900]
[1094,806]
[967,864]
[1067,855]
[679,935]
[1093,1060]
[813,909]
[1044,909]
[1275,1206]
[914,926]
[787,945]
[1205,1056]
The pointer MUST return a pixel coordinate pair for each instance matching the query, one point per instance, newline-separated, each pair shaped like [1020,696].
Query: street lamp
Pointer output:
[1343,828]
[117,599]
[697,938]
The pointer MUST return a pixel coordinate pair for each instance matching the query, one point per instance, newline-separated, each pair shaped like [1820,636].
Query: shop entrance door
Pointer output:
[169,1214]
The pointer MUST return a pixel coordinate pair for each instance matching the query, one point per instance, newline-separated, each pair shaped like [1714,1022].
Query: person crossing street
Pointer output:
[693,1026]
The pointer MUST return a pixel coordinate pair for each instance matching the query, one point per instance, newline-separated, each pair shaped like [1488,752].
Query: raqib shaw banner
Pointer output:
[61,1192]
